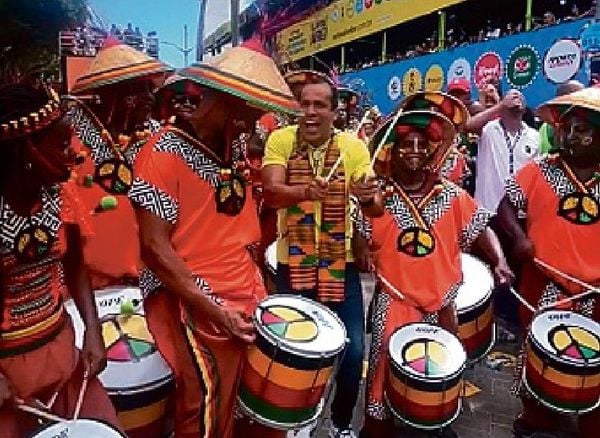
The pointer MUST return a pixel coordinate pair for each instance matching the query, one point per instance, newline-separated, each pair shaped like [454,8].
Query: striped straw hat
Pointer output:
[117,62]
[248,73]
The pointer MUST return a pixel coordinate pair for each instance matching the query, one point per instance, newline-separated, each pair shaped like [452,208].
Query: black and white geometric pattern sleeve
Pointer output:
[361,223]
[478,223]
[516,195]
[156,201]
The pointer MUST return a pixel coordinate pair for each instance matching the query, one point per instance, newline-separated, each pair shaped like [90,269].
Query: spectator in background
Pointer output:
[549,19]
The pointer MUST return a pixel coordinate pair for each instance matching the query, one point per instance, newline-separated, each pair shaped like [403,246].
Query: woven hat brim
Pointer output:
[117,75]
[588,98]
[461,113]
[259,96]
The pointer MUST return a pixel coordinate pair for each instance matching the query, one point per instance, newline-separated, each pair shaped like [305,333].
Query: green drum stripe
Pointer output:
[277,414]
[537,392]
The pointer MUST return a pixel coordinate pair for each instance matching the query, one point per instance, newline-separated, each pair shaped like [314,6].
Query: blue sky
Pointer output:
[167,17]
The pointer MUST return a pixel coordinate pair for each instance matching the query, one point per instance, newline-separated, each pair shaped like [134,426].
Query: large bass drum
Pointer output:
[81,428]
[137,378]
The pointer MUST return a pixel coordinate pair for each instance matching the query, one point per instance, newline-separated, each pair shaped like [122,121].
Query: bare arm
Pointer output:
[78,284]
[522,249]
[160,256]
[476,123]
[277,193]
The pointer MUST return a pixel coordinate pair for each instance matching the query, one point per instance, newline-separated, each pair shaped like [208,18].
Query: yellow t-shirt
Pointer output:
[356,161]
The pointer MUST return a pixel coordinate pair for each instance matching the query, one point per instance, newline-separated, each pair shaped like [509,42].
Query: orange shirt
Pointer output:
[571,247]
[113,253]
[431,279]
[176,181]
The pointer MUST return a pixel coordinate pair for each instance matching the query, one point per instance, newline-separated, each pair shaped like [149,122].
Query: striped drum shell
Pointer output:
[287,370]
[424,379]
[562,362]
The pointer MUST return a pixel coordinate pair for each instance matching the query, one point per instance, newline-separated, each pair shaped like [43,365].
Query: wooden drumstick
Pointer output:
[80,396]
[384,138]
[589,287]
[334,168]
[22,406]
[568,300]
[522,300]
[390,286]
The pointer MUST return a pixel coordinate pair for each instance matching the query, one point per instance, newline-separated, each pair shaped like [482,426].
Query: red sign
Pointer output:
[488,67]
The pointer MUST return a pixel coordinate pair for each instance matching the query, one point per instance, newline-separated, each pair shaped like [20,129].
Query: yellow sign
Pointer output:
[412,82]
[346,20]
[434,78]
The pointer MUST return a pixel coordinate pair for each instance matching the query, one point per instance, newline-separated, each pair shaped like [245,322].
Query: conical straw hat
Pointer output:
[248,73]
[440,102]
[117,62]
[586,100]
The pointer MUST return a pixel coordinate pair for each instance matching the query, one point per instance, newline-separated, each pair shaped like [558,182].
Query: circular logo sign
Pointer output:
[394,88]
[412,82]
[488,66]
[522,66]
[289,324]
[434,78]
[460,69]
[562,61]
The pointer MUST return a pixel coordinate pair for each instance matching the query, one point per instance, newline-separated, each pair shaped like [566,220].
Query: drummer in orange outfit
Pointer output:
[560,197]
[112,134]
[427,222]
[196,222]
[42,227]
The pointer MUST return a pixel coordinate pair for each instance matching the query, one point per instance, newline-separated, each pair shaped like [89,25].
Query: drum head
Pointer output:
[300,325]
[478,283]
[427,352]
[568,336]
[78,429]
[134,364]
[271,257]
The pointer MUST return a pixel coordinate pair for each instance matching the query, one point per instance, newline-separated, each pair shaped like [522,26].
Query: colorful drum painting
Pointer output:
[424,380]
[137,378]
[562,368]
[287,371]
[476,327]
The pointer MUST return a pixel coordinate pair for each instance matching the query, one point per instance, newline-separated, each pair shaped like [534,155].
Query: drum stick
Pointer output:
[362,121]
[80,396]
[390,286]
[38,412]
[334,168]
[592,289]
[567,300]
[522,300]
[388,131]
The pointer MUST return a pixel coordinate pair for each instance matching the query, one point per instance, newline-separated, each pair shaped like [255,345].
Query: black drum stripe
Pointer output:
[130,402]
[423,384]
[292,360]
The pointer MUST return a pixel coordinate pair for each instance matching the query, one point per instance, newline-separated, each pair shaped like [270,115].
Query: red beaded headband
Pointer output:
[35,121]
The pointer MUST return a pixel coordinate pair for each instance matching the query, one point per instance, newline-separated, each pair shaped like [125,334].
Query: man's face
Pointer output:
[580,141]
[411,152]
[369,129]
[515,102]
[316,121]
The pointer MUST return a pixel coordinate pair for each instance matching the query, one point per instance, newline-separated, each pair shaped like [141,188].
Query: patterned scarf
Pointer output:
[323,269]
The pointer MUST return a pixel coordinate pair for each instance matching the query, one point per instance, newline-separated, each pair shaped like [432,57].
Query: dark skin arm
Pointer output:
[160,256]
[93,353]
[522,249]
[489,245]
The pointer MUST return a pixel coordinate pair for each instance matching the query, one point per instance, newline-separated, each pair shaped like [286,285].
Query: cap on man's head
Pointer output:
[459,84]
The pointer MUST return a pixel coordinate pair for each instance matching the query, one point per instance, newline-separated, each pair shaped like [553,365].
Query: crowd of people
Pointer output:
[456,36]
[178,183]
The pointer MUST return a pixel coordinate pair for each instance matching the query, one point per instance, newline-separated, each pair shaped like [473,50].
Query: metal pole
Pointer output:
[383,46]
[442,30]
[186,52]
[235,24]
[528,15]
[200,35]
[343,59]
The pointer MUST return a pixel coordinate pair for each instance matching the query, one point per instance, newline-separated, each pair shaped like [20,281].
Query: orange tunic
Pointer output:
[560,239]
[112,255]
[427,272]
[176,181]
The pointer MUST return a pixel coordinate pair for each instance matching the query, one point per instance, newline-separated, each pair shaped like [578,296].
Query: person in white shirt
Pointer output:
[505,146]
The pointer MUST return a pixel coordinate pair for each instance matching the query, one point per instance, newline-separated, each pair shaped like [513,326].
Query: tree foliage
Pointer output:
[29,35]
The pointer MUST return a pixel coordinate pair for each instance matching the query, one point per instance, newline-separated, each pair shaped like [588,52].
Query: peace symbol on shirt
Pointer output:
[416,242]
[33,243]
[579,208]
[114,176]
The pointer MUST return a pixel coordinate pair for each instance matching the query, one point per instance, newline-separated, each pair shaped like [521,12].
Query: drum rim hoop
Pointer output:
[140,389]
[419,426]
[277,425]
[95,420]
[290,349]
[487,297]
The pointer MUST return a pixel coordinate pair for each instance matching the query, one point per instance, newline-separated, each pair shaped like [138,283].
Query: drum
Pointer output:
[137,379]
[78,429]
[476,328]
[562,362]
[298,346]
[271,268]
[424,378]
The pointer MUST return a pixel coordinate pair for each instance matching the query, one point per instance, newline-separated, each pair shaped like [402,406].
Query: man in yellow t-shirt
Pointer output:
[309,171]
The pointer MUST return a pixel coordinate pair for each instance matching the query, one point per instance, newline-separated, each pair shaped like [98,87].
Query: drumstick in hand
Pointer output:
[334,168]
[22,406]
